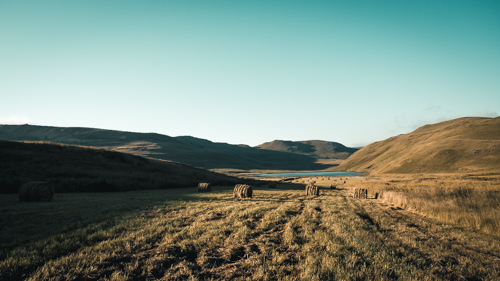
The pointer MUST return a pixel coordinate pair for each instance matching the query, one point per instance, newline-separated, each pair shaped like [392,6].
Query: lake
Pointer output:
[305,174]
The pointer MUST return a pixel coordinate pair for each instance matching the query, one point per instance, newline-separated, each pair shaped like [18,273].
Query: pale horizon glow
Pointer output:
[249,72]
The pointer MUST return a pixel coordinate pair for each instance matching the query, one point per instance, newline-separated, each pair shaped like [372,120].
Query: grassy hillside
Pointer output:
[83,169]
[278,234]
[314,148]
[459,145]
[189,150]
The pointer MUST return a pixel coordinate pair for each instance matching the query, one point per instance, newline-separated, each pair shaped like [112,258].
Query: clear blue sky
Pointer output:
[248,72]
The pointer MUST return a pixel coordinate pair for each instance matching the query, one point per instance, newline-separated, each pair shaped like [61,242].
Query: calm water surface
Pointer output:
[304,174]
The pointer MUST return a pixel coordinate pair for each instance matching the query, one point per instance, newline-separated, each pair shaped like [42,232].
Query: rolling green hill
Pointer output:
[461,145]
[70,168]
[193,151]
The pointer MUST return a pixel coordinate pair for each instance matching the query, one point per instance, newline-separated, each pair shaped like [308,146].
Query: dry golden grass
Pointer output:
[470,200]
[460,145]
[278,234]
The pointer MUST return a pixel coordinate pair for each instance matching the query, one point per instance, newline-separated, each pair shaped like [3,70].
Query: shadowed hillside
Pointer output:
[459,145]
[189,150]
[314,148]
[84,169]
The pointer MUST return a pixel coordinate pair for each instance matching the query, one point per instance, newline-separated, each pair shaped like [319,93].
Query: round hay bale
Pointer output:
[242,191]
[204,187]
[360,193]
[271,184]
[36,191]
[312,190]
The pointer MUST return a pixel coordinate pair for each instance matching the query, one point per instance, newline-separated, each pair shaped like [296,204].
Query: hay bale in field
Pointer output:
[312,190]
[242,191]
[204,187]
[360,193]
[332,186]
[36,191]
[271,184]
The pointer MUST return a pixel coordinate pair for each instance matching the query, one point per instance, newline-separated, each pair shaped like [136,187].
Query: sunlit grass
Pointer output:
[279,234]
[464,200]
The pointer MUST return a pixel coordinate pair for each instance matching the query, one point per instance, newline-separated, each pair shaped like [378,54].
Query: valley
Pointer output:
[120,212]
[309,155]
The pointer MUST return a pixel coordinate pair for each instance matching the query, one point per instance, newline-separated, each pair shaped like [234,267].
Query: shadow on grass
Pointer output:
[23,222]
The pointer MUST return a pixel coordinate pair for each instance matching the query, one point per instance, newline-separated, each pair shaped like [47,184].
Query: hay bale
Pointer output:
[242,191]
[204,187]
[271,184]
[36,191]
[332,186]
[312,190]
[360,193]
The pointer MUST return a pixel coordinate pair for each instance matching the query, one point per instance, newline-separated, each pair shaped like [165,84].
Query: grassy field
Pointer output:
[279,234]
[470,200]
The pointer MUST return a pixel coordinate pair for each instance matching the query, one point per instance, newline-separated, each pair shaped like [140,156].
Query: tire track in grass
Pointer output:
[178,221]
[276,258]
[386,257]
[193,257]
[116,251]
[257,246]
[225,260]
[326,234]
[348,245]
[444,248]
[261,242]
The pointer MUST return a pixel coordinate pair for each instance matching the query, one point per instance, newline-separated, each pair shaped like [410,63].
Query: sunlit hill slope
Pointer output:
[469,144]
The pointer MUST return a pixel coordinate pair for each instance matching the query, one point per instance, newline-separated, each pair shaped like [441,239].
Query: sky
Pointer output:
[249,72]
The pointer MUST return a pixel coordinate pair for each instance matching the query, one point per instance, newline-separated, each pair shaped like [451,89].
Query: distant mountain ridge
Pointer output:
[185,149]
[469,144]
[314,148]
